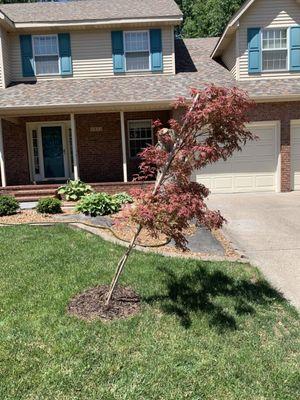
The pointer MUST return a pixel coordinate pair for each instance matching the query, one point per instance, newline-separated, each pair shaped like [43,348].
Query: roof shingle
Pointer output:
[100,10]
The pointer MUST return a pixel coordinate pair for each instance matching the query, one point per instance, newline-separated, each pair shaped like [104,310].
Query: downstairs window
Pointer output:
[140,136]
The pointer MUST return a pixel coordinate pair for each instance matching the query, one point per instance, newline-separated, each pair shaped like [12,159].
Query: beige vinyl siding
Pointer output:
[266,14]
[15,58]
[229,57]
[6,59]
[92,55]
[2,68]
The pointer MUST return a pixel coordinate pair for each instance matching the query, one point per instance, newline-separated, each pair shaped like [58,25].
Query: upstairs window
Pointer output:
[140,136]
[46,54]
[274,50]
[137,50]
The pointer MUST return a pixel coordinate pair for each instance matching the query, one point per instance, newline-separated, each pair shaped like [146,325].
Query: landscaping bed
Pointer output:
[209,330]
[31,217]
[90,305]
[124,232]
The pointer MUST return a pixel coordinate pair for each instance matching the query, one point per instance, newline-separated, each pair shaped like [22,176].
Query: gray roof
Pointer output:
[90,10]
[194,66]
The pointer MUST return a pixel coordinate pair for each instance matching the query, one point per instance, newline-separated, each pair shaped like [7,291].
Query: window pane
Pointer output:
[46,65]
[136,41]
[140,136]
[35,147]
[45,45]
[275,60]
[275,39]
[137,61]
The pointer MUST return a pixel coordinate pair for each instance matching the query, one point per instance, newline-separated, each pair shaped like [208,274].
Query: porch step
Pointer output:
[30,193]
[31,199]
[35,193]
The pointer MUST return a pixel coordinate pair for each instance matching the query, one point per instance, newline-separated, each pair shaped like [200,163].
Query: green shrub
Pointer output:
[123,198]
[49,205]
[8,205]
[74,190]
[98,204]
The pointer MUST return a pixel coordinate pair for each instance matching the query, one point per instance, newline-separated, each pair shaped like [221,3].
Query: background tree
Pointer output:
[206,17]
[209,130]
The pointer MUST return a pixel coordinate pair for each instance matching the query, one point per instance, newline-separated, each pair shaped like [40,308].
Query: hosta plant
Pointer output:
[74,190]
[96,204]
[123,198]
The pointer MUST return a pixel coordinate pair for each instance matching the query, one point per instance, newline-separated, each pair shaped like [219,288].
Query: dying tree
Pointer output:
[211,128]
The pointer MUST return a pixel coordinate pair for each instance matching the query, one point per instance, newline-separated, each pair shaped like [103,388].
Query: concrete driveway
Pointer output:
[266,228]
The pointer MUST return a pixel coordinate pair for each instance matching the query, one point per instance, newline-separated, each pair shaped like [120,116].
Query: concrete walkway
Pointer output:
[266,228]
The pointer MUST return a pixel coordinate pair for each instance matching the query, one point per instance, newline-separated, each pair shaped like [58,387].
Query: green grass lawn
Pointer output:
[206,330]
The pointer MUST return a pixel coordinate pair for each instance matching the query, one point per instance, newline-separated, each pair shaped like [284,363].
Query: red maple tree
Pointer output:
[211,128]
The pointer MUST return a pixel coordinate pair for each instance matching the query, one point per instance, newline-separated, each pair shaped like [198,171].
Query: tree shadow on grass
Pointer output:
[213,294]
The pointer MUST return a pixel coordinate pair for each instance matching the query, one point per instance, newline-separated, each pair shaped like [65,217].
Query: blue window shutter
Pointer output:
[156,50]
[118,51]
[64,44]
[254,50]
[295,48]
[26,55]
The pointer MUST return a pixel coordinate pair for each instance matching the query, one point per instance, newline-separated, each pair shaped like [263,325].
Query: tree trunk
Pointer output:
[121,265]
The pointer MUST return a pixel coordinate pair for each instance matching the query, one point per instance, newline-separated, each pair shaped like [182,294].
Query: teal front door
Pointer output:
[53,152]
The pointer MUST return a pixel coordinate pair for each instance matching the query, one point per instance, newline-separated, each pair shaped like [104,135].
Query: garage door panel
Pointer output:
[295,156]
[252,169]
[266,182]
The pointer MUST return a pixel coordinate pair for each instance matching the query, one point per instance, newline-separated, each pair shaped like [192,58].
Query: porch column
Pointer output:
[124,153]
[74,148]
[2,165]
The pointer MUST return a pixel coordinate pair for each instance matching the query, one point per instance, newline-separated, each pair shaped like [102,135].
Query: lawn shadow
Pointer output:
[214,294]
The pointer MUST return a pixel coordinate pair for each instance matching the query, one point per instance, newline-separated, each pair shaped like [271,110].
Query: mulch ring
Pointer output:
[90,305]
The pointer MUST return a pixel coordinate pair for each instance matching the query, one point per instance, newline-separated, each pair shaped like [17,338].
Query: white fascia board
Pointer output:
[66,24]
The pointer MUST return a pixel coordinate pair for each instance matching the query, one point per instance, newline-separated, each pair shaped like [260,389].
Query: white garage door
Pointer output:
[252,170]
[295,155]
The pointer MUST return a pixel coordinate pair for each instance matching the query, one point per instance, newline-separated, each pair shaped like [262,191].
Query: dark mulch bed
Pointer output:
[90,305]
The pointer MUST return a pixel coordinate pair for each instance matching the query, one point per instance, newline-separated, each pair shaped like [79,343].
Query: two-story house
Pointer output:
[81,83]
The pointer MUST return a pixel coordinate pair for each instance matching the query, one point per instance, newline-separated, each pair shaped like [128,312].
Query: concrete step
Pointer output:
[26,199]
[30,193]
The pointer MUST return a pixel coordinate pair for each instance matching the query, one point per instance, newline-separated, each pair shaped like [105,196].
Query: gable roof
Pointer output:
[90,10]
[232,26]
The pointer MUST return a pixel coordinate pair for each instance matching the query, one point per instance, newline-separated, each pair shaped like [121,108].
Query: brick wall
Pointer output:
[15,154]
[99,153]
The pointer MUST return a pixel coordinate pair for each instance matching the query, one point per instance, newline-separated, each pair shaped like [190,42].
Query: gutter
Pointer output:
[62,108]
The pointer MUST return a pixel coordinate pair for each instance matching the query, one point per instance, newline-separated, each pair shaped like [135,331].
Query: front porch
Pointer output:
[40,152]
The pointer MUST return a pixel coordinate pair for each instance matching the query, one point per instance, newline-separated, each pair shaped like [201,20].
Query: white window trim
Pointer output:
[129,139]
[137,51]
[38,55]
[281,49]
[65,126]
